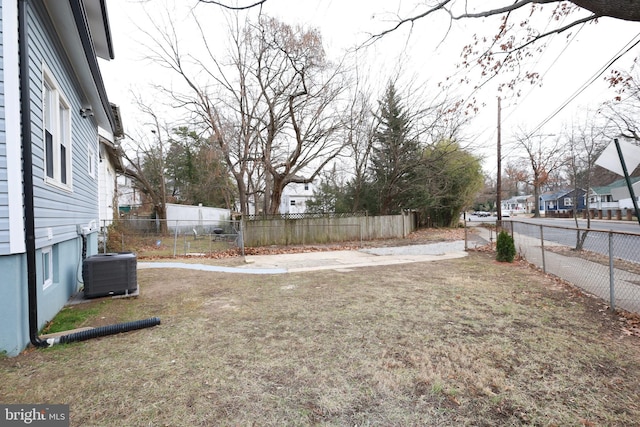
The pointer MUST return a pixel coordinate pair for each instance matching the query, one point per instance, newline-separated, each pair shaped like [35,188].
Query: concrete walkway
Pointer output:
[329,260]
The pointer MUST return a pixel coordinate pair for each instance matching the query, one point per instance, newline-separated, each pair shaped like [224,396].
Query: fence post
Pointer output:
[466,239]
[241,236]
[544,265]
[612,297]
[175,239]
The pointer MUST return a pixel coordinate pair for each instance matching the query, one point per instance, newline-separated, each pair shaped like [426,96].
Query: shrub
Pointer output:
[506,249]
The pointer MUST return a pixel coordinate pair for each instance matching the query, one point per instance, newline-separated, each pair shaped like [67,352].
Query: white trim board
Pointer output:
[12,125]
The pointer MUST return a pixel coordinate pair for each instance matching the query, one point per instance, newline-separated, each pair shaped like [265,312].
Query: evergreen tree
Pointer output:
[394,157]
[196,172]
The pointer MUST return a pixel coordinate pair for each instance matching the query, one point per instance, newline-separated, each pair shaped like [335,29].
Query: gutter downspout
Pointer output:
[27,176]
[29,212]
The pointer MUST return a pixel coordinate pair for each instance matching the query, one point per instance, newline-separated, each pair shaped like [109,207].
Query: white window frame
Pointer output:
[47,267]
[56,124]
[92,162]
[568,201]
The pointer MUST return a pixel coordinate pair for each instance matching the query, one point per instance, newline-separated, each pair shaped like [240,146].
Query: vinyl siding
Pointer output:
[4,189]
[59,210]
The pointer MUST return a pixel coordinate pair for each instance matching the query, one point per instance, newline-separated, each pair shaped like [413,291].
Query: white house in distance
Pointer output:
[295,197]
[128,196]
[613,196]
[622,195]
[109,166]
[518,205]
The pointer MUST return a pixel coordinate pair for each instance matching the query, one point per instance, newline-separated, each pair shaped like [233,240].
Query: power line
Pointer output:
[630,45]
[547,70]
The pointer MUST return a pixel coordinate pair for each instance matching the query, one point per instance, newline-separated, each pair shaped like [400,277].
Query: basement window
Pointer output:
[47,267]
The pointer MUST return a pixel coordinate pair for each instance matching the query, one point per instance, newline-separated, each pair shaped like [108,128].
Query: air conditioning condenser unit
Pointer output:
[109,274]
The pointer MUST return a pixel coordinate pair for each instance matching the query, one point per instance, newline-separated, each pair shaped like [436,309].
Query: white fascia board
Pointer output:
[62,17]
[106,134]
[12,125]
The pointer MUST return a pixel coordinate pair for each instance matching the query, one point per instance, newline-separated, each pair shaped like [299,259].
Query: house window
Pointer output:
[293,203]
[568,201]
[306,187]
[57,134]
[47,267]
[91,167]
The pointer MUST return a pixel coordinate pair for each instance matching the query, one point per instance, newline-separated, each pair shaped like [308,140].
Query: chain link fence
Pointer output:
[603,263]
[150,238]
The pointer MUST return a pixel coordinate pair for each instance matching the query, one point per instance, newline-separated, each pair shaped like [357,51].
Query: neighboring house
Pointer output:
[53,112]
[294,198]
[548,202]
[562,202]
[518,204]
[109,166]
[623,196]
[129,197]
[601,197]
[613,196]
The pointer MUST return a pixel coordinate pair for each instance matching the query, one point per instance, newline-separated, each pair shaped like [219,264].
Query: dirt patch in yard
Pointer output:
[460,342]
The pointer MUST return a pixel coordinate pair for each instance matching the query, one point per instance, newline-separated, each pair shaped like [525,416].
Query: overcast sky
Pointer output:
[428,54]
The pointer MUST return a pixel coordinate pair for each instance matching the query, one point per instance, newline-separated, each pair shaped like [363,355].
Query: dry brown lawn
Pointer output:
[451,343]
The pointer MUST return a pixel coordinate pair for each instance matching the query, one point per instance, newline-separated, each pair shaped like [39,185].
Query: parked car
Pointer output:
[481,214]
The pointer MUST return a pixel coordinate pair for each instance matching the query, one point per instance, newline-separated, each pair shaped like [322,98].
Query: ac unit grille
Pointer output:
[109,274]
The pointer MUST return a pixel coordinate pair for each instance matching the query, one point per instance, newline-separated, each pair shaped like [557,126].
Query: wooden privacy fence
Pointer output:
[281,231]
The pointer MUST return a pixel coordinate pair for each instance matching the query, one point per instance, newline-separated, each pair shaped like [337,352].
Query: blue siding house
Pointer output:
[562,202]
[53,111]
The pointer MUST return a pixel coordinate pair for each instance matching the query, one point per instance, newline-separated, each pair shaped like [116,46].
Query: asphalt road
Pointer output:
[625,235]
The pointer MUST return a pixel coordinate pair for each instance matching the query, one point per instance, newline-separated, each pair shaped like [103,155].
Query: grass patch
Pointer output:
[459,342]
[75,316]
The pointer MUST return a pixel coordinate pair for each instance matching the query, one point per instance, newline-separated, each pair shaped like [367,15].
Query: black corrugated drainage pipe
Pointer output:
[29,215]
[103,331]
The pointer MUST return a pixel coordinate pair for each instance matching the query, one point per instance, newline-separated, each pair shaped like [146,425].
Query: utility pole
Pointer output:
[499,179]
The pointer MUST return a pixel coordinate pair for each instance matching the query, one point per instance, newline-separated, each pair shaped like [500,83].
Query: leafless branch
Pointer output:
[226,6]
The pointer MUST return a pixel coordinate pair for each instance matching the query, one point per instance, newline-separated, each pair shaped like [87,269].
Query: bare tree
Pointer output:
[360,128]
[620,9]
[236,7]
[514,175]
[270,103]
[586,141]
[145,164]
[622,111]
[523,30]
[544,158]
[300,90]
